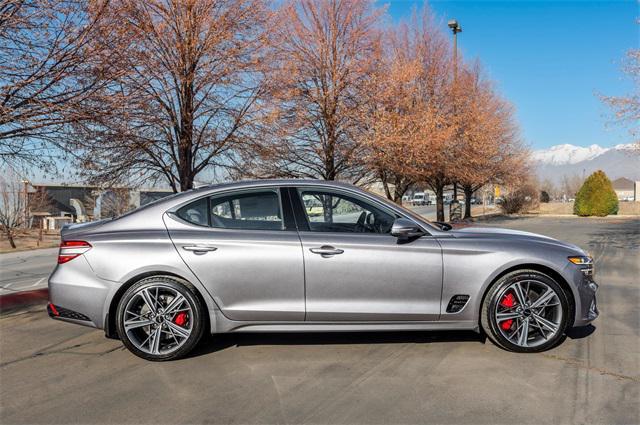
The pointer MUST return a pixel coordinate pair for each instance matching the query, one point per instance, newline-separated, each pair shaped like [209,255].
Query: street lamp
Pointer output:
[455,28]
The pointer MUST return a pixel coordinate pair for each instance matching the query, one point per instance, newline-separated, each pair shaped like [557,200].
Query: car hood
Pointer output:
[499,233]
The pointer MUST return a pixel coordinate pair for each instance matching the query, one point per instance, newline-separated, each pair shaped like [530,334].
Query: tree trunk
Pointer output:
[11,241]
[468,193]
[439,191]
[397,195]
[185,149]
[385,185]
[401,187]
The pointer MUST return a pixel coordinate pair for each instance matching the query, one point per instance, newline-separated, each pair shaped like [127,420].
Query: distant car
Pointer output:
[291,255]
[419,198]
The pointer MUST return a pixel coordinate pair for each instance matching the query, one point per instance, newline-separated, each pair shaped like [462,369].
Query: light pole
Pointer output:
[455,28]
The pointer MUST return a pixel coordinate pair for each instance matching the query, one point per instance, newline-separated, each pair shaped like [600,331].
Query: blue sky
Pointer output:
[550,59]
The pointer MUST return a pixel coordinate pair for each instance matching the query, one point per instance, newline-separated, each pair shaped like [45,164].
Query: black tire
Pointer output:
[197,316]
[490,304]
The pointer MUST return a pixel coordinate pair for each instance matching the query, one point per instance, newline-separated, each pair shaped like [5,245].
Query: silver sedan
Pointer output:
[302,256]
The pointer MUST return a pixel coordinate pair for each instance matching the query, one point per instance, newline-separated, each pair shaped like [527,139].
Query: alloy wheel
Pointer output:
[158,319]
[528,313]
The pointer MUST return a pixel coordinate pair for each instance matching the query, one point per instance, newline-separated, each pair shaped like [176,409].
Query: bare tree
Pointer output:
[627,108]
[571,185]
[324,53]
[547,185]
[182,88]
[115,202]
[46,71]
[16,205]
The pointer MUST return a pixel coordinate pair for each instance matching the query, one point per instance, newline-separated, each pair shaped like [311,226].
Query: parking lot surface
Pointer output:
[26,270]
[53,372]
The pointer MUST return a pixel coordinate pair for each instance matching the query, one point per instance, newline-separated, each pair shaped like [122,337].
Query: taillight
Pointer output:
[72,249]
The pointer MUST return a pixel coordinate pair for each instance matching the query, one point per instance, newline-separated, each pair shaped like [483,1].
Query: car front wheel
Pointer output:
[525,311]
[160,318]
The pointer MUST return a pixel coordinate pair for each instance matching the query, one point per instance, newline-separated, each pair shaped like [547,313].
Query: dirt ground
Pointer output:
[30,239]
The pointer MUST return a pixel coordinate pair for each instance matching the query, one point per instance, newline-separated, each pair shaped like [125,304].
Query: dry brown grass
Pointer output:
[566,208]
[30,239]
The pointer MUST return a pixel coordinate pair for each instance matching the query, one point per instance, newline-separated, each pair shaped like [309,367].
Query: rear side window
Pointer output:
[196,212]
[258,210]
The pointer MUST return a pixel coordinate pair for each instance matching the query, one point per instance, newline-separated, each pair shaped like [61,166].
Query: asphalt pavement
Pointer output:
[53,372]
[26,270]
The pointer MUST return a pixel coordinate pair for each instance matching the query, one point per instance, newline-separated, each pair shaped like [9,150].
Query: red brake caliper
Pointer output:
[508,301]
[180,319]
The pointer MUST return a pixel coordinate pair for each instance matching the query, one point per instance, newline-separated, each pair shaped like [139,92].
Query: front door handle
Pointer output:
[326,250]
[199,249]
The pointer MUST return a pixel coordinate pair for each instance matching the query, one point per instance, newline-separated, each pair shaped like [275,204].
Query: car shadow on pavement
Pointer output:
[580,332]
[211,344]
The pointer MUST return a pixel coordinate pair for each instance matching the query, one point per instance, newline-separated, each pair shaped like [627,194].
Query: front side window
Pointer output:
[335,212]
[250,210]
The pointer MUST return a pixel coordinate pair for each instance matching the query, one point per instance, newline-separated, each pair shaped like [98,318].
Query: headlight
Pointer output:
[586,262]
[581,260]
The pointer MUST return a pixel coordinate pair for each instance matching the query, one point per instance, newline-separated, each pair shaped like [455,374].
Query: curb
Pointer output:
[15,301]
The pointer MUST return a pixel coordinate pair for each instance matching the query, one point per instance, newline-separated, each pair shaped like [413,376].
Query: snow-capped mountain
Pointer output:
[567,160]
[567,154]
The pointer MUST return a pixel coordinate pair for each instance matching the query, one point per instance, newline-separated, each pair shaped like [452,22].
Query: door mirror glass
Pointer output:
[404,229]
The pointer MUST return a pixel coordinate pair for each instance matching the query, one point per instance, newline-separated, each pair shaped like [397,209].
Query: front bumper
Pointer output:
[588,305]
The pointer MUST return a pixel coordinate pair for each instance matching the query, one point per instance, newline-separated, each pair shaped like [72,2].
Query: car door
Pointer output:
[355,270]
[244,248]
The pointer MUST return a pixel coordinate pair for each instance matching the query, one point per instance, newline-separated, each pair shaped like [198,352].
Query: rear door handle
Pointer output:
[199,249]
[326,250]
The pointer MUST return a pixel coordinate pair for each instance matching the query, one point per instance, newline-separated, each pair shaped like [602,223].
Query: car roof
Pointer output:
[273,182]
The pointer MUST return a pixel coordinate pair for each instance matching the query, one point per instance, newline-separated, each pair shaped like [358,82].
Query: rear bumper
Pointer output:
[77,295]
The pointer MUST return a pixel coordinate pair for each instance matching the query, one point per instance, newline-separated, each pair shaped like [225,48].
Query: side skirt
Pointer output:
[231,326]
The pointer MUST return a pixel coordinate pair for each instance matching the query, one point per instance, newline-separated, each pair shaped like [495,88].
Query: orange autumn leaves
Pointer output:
[431,127]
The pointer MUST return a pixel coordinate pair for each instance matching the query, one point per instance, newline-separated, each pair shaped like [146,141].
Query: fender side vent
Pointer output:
[457,303]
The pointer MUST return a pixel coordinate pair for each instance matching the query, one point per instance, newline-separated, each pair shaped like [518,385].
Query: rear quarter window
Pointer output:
[195,212]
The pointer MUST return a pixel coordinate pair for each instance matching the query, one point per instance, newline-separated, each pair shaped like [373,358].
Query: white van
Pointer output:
[419,198]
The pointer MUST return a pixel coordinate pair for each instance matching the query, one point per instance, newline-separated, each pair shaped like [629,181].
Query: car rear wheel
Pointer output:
[525,311]
[160,318]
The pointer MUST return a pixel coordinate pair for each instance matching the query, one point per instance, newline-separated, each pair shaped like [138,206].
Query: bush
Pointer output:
[596,197]
[544,197]
[521,199]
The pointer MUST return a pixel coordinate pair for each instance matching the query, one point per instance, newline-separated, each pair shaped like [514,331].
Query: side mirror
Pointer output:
[404,229]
